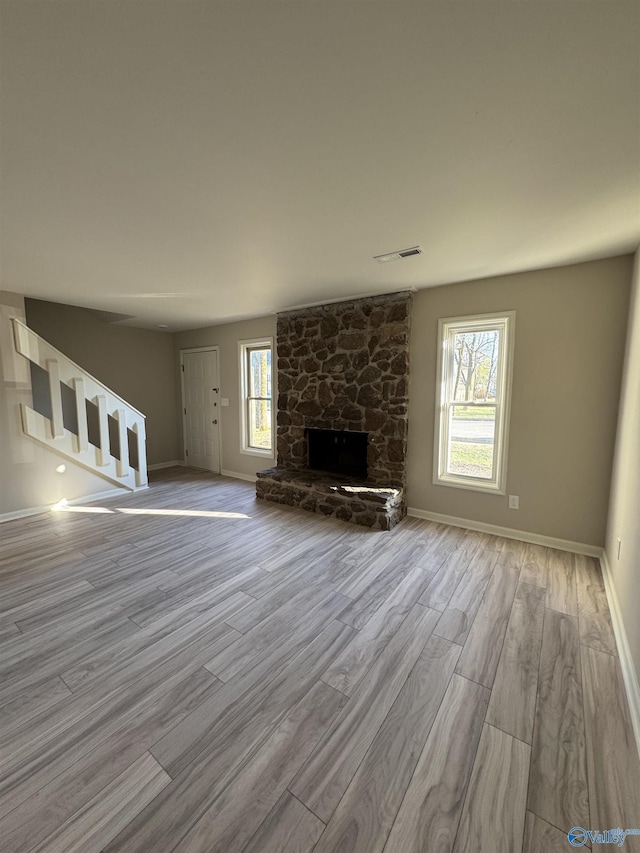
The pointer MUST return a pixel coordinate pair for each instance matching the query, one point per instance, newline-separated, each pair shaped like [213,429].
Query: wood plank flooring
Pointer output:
[189,669]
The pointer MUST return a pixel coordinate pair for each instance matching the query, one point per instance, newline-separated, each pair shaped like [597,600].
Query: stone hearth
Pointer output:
[343,497]
[344,366]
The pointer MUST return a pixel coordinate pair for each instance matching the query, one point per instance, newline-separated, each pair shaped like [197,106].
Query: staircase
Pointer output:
[80,418]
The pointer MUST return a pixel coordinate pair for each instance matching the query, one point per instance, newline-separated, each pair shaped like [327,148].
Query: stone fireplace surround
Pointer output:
[343,366]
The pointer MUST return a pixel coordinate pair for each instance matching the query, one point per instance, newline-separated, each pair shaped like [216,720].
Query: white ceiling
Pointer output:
[195,162]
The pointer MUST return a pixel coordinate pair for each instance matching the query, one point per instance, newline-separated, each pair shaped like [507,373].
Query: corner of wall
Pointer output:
[621,561]
[629,674]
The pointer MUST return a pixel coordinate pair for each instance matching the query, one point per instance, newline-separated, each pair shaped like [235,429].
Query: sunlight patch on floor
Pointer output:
[63,506]
[196,513]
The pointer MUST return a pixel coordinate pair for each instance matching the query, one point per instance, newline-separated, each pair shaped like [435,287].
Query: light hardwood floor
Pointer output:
[188,669]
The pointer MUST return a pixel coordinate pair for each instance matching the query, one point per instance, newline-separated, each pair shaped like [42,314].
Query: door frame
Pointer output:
[184,352]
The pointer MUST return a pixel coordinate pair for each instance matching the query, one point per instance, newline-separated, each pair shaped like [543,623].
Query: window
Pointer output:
[257,410]
[472,413]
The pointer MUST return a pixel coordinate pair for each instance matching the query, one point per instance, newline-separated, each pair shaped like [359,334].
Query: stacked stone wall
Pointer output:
[345,366]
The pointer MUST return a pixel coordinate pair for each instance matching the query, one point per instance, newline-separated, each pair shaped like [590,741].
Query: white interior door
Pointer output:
[200,394]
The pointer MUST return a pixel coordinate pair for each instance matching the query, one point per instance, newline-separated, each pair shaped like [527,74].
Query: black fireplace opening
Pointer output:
[338,451]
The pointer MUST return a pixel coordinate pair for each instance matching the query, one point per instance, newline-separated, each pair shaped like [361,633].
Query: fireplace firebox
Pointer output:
[338,451]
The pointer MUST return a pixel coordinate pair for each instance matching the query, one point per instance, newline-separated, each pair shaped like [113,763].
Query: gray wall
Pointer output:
[135,363]
[226,337]
[569,348]
[624,513]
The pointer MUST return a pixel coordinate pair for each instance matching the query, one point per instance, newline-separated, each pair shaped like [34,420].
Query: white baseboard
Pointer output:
[629,674]
[508,532]
[157,466]
[249,478]
[23,513]
[102,496]
[85,499]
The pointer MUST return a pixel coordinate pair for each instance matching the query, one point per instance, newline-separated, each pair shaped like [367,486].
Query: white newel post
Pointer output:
[141,440]
[81,414]
[102,453]
[57,423]
[123,442]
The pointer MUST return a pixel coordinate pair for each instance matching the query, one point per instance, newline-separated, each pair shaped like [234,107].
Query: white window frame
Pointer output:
[447,329]
[244,347]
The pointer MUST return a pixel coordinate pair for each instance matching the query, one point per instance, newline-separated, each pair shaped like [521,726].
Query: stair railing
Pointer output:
[111,462]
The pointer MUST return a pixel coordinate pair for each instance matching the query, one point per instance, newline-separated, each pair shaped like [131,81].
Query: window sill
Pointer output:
[470,485]
[250,451]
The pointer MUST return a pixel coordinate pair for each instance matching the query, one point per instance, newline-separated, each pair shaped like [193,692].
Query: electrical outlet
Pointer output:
[514,502]
[619,546]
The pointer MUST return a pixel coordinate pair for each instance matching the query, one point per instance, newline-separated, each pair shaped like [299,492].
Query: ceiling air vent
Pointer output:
[396,256]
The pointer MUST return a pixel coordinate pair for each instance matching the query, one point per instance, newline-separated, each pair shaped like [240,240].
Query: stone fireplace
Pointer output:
[343,374]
